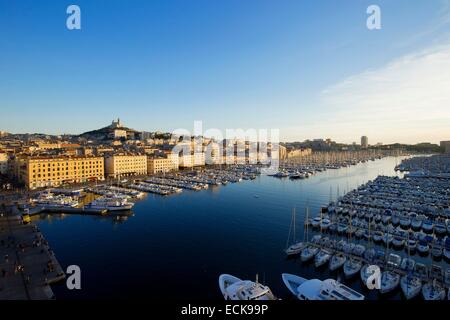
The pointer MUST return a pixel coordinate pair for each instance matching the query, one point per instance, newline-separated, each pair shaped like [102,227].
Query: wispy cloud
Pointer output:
[435,27]
[408,100]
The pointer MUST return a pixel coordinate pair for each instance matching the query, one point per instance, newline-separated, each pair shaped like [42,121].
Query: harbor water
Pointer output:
[175,247]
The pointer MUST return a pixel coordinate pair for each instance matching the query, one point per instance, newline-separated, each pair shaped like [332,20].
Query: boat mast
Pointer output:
[290,229]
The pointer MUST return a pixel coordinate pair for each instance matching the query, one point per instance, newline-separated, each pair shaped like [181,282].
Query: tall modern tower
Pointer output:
[364,142]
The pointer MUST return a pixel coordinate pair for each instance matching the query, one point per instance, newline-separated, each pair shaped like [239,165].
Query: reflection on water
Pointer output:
[182,243]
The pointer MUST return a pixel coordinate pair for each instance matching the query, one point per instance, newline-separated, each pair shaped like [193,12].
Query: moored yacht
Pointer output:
[337,261]
[325,224]
[389,281]
[295,248]
[433,291]
[365,274]
[316,289]
[315,223]
[352,267]
[411,286]
[427,226]
[322,258]
[110,204]
[308,253]
[233,288]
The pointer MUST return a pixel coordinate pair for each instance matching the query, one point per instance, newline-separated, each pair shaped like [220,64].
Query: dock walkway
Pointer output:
[27,264]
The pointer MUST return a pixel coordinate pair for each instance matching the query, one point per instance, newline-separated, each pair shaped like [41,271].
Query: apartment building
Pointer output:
[161,164]
[38,172]
[125,165]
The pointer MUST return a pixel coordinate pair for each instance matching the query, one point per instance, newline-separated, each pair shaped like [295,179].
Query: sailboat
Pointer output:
[337,261]
[389,281]
[411,285]
[433,291]
[352,267]
[322,258]
[296,247]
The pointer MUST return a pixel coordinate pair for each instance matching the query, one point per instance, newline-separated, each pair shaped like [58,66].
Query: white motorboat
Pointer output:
[322,258]
[389,281]
[337,261]
[433,291]
[411,286]
[352,267]
[308,253]
[427,226]
[423,247]
[316,289]
[325,224]
[315,223]
[295,248]
[233,288]
[110,204]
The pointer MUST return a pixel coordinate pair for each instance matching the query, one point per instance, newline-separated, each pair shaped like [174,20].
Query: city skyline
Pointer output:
[310,70]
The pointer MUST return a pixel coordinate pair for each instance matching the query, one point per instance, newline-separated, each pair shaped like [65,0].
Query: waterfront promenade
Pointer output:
[27,264]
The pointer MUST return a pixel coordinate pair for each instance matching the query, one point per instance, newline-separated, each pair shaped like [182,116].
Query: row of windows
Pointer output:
[58,164]
[98,172]
[67,169]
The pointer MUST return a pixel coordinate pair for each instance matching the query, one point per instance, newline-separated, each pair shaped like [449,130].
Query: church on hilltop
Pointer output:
[115,131]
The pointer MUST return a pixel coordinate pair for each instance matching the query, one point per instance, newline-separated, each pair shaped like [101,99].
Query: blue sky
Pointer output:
[310,68]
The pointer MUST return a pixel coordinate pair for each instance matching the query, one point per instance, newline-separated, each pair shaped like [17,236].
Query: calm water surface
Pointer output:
[176,247]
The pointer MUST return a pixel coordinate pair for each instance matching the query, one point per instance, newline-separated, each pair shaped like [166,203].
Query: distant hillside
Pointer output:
[107,132]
